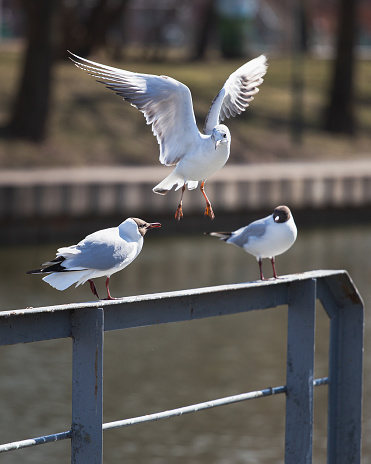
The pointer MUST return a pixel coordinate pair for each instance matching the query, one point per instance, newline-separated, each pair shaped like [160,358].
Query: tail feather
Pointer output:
[221,235]
[168,183]
[63,280]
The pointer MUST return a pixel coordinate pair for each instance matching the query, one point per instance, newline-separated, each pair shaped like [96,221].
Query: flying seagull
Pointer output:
[264,238]
[100,254]
[167,104]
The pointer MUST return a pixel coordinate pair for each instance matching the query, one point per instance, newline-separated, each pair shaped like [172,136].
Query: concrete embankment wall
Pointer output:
[78,193]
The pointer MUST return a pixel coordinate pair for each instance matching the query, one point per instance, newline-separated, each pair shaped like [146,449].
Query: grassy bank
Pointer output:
[89,125]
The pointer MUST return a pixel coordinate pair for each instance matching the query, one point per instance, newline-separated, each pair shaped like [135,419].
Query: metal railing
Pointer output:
[86,323]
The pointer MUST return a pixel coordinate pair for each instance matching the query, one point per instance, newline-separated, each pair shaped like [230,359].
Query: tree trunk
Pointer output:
[85,34]
[339,115]
[31,106]
[206,22]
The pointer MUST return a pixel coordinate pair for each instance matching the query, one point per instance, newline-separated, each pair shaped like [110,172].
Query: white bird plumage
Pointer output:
[99,254]
[264,238]
[167,104]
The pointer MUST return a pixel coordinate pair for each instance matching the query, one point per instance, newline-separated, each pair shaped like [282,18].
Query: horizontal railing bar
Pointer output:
[194,408]
[205,405]
[321,381]
[317,274]
[15,445]
[36,324]
[157,416]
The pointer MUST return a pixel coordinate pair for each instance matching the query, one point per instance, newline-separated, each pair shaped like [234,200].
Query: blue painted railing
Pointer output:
[86,324]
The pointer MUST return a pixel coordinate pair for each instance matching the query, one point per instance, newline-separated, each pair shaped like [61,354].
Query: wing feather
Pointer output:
[165,102]
[254,230]
[237,92]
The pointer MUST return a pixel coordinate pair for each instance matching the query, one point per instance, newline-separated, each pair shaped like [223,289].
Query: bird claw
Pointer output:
[209,212]
[179,213]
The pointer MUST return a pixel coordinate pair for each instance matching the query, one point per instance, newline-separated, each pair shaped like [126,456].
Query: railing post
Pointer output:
[345,389]
[87,386]
[299,374]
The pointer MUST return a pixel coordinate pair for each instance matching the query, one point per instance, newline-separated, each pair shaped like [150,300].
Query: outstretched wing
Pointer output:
[237,92]
[165,102]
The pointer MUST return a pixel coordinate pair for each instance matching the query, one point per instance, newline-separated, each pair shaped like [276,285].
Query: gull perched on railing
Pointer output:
[167,104]
[264,238]
[100,254]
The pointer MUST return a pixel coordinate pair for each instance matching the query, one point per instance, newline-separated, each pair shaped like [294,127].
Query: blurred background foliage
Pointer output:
[315,102]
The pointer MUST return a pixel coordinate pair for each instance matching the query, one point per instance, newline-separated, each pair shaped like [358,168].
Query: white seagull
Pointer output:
[264,238]
[100,254]
[167,104]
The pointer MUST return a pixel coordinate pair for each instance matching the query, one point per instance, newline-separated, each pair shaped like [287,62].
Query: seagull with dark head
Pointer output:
[264,238]
[100,254]
[167,104]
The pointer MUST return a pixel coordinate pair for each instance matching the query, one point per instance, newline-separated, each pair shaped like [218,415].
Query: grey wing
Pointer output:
[96,252]
[165,102]
[242,236]
[237,92]
[96,256]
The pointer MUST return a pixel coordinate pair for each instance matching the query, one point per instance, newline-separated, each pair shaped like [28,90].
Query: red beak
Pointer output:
[153,225]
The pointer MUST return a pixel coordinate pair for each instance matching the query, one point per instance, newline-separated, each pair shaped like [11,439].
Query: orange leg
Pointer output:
[179,211]
[208,210]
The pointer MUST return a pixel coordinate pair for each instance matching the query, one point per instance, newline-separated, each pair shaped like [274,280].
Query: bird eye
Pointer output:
[224,135]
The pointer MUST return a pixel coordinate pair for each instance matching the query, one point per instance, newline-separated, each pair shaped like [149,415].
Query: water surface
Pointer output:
[155,368]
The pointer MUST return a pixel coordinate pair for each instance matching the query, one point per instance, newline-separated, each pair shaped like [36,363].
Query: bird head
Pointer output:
[281,214]
[220,135]
[143,226]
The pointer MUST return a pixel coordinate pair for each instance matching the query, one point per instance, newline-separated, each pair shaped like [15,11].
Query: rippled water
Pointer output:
[155,368]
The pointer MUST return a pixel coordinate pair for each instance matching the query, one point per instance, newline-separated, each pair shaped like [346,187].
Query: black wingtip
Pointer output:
[35,271]
[55,265]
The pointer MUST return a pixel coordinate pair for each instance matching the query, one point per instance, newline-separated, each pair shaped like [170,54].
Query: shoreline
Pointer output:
[64,199]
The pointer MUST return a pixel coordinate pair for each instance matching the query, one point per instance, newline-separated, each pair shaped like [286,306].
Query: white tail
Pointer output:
[222,235]
[168,183]
[63,280]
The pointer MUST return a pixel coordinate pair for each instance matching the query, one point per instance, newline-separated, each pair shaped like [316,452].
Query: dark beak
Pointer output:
[153,225]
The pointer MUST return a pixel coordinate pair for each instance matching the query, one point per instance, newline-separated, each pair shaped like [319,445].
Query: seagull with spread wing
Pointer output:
[167,104]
